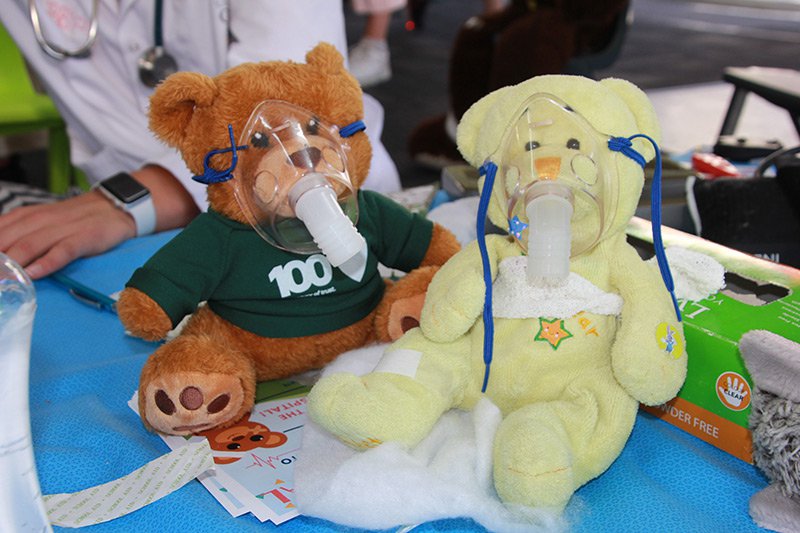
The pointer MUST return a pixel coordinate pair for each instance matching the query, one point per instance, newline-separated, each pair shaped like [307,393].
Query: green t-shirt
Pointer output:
[275,293]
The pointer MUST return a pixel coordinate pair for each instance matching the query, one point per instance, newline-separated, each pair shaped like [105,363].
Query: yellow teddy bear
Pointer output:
[580,328]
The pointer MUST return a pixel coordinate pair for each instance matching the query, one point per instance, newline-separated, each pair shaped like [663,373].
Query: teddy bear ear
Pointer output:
[326,58]
[175,101]
[473,133]
[643,112]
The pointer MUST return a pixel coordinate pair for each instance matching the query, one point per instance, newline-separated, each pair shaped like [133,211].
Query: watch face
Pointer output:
[125,188]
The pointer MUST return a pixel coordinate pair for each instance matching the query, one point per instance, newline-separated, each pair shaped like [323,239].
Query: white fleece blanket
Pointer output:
[449,474]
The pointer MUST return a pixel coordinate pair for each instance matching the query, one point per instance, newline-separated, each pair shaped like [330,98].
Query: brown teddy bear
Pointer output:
[286,257]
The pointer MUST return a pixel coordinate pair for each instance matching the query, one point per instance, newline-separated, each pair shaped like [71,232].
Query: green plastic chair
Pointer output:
[23,110]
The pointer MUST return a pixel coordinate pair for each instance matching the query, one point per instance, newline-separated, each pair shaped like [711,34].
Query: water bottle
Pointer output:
[21,505]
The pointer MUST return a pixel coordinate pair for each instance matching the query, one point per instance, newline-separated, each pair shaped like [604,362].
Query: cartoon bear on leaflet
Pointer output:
[230,442]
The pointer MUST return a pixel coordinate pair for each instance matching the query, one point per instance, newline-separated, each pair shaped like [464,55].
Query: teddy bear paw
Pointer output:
[185,403]
[364,412]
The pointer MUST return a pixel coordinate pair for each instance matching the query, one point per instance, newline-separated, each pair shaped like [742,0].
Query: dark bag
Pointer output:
[760,216]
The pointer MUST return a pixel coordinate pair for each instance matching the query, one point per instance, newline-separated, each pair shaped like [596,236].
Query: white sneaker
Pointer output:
[369,62]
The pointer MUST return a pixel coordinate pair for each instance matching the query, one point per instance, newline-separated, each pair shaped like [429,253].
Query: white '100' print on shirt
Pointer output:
[296,276]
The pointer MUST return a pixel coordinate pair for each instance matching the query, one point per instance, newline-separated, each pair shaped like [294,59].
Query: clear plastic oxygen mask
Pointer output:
[552,178]
[292,183]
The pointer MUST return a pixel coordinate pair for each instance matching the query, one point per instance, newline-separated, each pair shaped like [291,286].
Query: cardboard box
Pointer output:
[714,403]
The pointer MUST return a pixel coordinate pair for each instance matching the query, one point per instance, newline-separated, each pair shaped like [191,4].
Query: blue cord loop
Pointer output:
[212,175]
[489,170]
[624,146]
[352,128]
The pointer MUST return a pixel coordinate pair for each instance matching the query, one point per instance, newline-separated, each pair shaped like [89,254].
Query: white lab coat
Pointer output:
[103,101]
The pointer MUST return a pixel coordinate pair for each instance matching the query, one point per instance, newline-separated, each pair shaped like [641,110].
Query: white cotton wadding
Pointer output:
[514,297]
[696,275]
[447,475]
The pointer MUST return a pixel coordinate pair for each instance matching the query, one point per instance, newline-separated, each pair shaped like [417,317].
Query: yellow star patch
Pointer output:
[552,331]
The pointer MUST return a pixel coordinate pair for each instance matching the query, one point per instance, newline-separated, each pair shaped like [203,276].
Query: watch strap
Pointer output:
[144,215]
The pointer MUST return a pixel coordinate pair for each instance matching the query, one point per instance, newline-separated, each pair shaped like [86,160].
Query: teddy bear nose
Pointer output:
[548,167]
[306,158]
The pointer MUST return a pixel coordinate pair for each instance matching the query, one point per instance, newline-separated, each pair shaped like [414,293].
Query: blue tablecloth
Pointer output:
[84,370]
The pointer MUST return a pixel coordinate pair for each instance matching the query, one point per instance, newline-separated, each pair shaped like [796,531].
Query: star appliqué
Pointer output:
[552,331]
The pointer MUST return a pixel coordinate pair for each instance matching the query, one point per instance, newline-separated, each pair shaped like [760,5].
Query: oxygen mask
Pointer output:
[552,177]
[292,183]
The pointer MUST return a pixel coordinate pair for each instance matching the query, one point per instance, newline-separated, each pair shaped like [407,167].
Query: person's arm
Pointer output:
[45,238]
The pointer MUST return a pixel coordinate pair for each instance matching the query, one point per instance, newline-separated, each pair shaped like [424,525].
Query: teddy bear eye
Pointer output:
[531,145]
[574,144]
[313,126]
[259,140]
[234,446]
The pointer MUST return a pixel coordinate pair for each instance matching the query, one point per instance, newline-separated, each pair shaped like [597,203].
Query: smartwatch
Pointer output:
[132,197]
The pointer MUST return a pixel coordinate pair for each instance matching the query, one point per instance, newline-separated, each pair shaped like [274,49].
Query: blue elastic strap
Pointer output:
[624,146]
[352,128]
[489,170]
[211,175]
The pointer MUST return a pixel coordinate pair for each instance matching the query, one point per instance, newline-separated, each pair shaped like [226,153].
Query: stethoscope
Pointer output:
[154,65]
